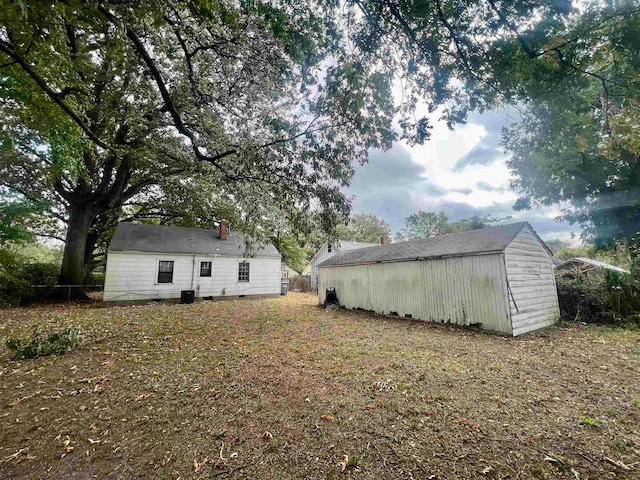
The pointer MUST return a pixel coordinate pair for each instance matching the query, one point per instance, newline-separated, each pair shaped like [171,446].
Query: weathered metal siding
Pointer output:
[533,295]
[459,290]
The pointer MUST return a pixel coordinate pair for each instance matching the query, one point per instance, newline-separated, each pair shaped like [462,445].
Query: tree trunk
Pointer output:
[73,262]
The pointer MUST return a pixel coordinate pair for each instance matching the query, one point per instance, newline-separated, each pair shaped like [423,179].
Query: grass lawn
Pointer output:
[283,389]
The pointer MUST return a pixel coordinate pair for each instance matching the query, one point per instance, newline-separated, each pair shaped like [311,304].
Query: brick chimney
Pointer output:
[224,229]
[383,240]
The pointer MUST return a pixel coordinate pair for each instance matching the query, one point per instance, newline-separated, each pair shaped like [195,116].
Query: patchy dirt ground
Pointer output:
[282,389]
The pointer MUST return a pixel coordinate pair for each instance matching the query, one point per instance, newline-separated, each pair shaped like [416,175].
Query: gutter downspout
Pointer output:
[193,270]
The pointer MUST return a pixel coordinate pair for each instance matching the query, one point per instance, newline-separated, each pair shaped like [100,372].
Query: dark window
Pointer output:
[165,271]
[329,248]
[205,269]
[243,272]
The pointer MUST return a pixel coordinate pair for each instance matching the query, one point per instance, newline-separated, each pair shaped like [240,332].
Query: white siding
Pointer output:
[459,290]
[533,296]
[324,254]
[133,276]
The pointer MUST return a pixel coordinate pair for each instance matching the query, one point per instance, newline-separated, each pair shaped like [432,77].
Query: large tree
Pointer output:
[424,225]
[579,142]
[363,227]
[572,71]
[103,102]
[431,224]
[106,101]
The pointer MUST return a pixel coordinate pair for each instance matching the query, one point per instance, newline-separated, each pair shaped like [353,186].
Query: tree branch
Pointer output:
[8,50]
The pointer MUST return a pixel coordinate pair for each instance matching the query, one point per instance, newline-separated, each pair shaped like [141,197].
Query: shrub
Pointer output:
[17,276]
[615,299]
[55,344]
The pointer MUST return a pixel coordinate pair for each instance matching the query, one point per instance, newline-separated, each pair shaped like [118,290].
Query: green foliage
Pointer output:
[217,120]
[577,143]
[636,402]
[610,298]
[54,344]
[293,255]
[584,252]
[430,224]
[424,225]
[367,228]
[556,245]
[17,274]
[15,214]
[588,422]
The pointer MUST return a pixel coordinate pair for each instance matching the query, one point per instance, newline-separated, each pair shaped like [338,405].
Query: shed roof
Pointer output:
[575,261]
[484,240]
[163,239]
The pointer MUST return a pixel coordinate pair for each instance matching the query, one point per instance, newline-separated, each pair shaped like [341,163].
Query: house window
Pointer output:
[205,269]
[243,272]
[329,248]
[165,271]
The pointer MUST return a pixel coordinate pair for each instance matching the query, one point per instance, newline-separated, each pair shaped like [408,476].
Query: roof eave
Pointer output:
[415,259]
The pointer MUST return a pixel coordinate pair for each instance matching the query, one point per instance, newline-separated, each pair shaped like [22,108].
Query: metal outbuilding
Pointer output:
[499,278]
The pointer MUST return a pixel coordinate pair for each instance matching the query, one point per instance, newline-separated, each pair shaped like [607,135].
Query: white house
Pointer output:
[499,278]
[156,262]
[328,250]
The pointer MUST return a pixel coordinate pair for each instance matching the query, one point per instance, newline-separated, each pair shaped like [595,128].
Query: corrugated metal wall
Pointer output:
[534,297]
[459,290]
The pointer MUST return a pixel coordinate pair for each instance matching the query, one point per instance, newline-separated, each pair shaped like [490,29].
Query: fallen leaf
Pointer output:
[327,417]
[67,450]
[198,466]
[267,436]
[487,469]
[344,462]
[142,397]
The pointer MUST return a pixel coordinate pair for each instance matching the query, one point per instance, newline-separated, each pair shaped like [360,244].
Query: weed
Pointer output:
[588,422]
[612,413]
[354,461]
[636,402]
[54,344]
[622,445]
[496,367]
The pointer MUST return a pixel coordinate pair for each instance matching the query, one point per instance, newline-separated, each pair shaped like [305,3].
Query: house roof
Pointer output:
[484,240]
[131,237]
[588,261]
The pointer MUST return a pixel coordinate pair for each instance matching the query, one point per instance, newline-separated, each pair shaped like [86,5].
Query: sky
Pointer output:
[460,172]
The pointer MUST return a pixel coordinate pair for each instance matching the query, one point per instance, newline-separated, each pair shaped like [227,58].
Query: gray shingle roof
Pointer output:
[491,239]
[164,239]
